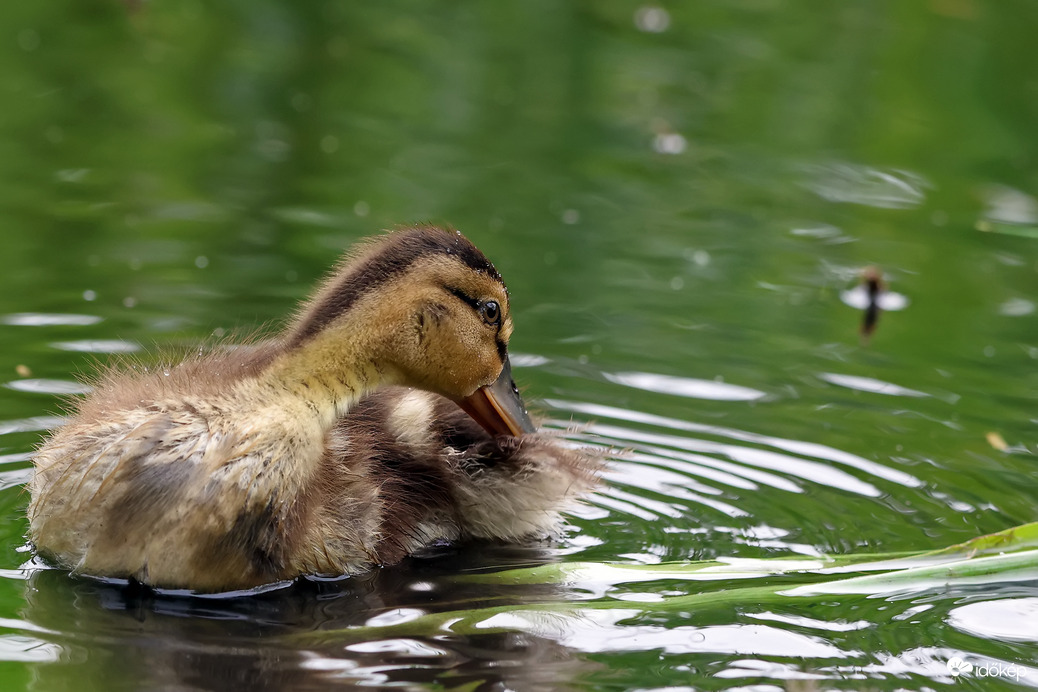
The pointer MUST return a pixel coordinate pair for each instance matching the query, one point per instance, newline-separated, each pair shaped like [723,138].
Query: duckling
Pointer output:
[241,467]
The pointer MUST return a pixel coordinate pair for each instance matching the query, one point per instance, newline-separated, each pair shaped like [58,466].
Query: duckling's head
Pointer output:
[429,310]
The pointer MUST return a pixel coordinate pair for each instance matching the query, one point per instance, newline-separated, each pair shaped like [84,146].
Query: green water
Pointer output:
[677,199]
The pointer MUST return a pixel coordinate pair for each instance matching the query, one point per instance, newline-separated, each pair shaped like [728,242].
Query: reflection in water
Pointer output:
[871,297]
[108,631]
[859,298]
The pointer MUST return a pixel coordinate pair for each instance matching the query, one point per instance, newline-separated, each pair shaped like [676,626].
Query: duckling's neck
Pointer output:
[326,375]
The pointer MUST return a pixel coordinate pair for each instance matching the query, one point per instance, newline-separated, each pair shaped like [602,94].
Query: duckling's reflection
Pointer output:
[116,636]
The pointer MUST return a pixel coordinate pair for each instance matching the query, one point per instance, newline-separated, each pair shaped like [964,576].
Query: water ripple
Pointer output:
[599,631]
[685,386]
[858,184]
[1009,619]
[868,384]
[97,346]
[811,449]
[23,649]
[45,386]
[775,461]
[33,424]
[14,478]
[43,319]
[726,472]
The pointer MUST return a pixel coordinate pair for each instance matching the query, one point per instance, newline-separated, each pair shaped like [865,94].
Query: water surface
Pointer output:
[680,198]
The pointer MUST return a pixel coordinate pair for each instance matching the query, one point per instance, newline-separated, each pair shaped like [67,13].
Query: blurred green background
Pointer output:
[679,191]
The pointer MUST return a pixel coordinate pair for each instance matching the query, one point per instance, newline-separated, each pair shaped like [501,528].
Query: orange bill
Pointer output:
[498,407]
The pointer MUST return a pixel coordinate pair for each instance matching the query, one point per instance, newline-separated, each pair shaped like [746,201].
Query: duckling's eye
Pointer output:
[491,312]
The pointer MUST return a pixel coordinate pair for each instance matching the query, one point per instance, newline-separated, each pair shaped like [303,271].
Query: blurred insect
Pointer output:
[871,296]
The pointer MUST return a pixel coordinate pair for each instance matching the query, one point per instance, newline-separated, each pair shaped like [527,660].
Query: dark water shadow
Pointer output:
[104,632]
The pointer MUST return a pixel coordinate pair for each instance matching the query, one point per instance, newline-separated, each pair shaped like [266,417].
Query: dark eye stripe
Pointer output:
[397,253]
[479,307]
[464,297]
